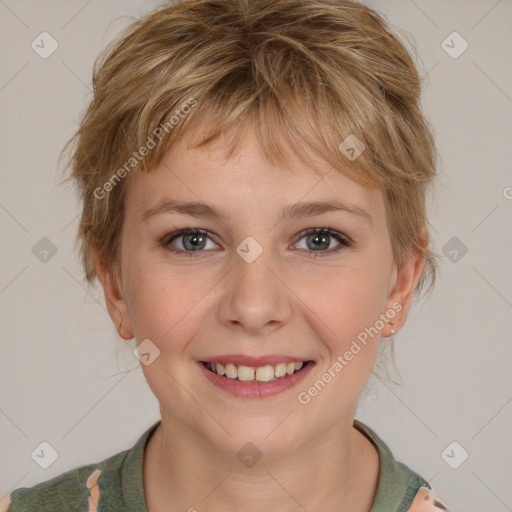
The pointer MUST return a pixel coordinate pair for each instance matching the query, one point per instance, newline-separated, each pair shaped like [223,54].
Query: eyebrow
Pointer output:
[297,210]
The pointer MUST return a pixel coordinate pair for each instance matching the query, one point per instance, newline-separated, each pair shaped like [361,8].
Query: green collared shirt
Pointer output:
[116,484]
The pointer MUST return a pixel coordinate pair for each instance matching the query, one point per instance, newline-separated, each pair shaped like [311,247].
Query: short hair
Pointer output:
[307,75]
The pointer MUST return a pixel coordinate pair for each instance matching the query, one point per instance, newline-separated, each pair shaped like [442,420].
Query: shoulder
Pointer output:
[76,489]
[399,487]
[426,500]
[112,484]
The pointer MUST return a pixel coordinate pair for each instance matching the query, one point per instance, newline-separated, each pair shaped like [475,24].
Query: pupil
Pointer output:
[196,241]
[321,238]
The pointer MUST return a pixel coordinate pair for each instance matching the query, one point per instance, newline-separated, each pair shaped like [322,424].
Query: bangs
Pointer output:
[288,111]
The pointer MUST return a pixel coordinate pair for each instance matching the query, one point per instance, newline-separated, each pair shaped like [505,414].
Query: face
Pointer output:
[256,287]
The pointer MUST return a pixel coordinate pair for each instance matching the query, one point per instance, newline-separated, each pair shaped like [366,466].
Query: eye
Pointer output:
[191,240]
[194,241]
[319,239]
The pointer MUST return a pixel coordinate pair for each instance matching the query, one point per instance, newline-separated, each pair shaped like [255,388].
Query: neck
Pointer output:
[338,470]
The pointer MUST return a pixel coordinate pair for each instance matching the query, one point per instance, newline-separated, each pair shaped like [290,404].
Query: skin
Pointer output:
[285,302]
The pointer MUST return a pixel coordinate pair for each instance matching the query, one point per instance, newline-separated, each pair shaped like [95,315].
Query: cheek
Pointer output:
[344,314]
[165,303]
[347,301]
[346,308]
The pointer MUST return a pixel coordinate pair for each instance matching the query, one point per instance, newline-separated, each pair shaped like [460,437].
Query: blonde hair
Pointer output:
[306,74]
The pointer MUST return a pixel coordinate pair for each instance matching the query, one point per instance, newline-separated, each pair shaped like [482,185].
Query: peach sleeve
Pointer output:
[426,501]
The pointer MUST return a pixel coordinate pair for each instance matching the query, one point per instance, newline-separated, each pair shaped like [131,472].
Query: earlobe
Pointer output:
[116,304]
[407,278]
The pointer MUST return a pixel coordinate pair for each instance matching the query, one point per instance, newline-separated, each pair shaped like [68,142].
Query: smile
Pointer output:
[255,381]
[267,373]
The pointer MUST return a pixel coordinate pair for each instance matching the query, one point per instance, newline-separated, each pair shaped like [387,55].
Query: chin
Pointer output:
[256,439]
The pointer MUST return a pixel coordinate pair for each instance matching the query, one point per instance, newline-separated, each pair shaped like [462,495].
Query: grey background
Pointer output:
[63,375]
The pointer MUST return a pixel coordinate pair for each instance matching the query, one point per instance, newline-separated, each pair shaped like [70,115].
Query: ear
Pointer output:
[404,283]
[116,304]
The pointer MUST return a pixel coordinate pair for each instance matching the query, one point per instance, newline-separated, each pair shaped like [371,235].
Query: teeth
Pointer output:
[245,373]
[231,372]
[280,370]
[260,374]
[220,369]
[265,373]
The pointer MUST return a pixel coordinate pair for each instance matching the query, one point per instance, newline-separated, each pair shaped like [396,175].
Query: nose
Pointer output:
[255,298]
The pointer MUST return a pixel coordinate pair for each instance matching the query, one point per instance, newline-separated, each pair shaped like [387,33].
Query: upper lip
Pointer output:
[240,359]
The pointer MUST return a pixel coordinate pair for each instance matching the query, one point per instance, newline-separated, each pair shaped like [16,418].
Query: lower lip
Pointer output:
[254,389]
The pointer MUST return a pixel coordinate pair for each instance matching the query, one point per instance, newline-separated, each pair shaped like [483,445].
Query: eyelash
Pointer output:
[344,240]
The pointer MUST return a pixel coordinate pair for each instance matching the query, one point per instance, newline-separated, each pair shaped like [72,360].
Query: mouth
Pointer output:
[261,378]
[266,373]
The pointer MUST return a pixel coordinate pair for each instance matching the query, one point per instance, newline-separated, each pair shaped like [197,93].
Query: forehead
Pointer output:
[244,181]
